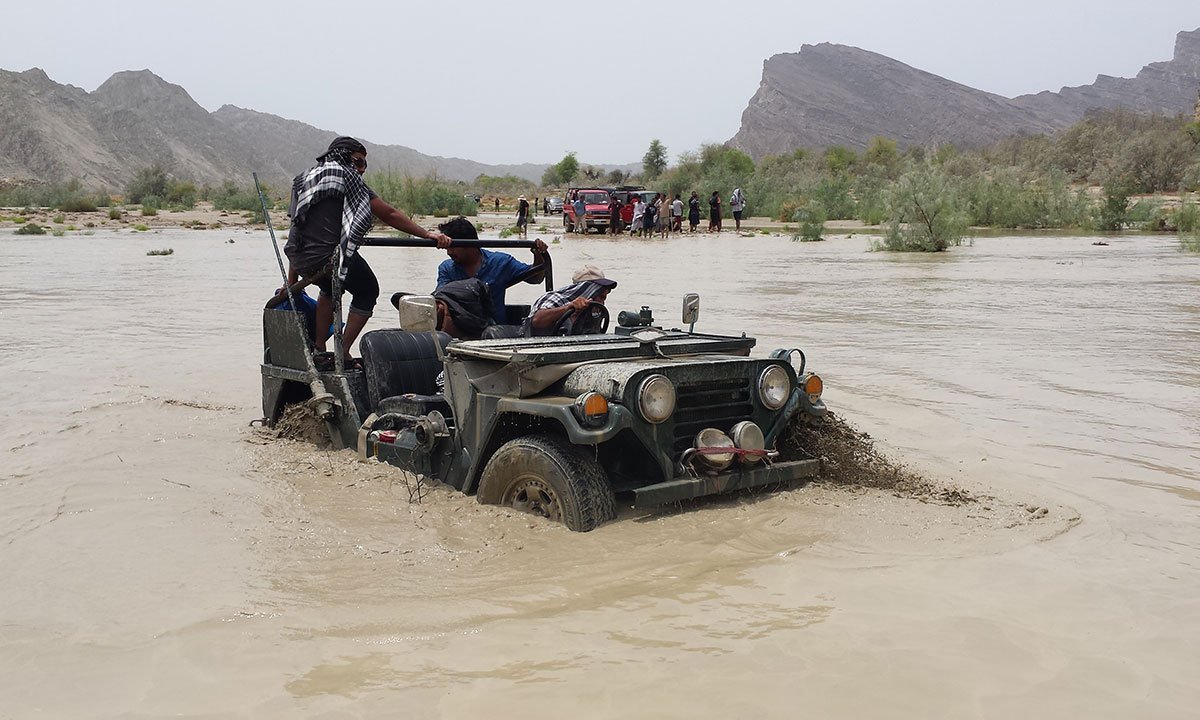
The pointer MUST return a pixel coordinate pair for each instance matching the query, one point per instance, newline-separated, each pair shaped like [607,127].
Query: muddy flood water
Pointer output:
[158,557]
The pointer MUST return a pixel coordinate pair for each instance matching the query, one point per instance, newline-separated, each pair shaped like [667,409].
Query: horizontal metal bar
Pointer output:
[422,242]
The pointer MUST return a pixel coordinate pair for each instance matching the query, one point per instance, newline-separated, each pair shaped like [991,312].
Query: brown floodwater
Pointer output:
[160,557]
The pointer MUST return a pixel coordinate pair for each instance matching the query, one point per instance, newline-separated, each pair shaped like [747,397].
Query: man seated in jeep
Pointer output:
[570,306]
[497,269]
[464,308]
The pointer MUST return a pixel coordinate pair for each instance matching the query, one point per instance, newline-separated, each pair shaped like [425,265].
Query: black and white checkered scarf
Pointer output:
[335,177]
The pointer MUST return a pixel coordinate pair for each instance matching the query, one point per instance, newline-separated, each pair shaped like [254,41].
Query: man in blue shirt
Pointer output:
[496,269]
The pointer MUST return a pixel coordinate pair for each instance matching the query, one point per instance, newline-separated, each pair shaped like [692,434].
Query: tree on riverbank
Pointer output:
[924,212]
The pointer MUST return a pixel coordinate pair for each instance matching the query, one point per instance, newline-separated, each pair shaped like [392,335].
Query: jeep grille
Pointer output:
[717,404]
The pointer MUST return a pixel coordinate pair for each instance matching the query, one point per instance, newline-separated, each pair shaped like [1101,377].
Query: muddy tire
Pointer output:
[548,476]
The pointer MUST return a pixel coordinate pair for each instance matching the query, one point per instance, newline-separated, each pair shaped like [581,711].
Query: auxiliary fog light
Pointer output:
[592,409]
[709,444]
[748,438]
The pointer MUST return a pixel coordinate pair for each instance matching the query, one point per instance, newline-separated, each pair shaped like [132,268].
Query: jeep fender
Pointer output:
[558,411]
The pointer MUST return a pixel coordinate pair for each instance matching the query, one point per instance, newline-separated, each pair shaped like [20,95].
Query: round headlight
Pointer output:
[656,398]
[774,386]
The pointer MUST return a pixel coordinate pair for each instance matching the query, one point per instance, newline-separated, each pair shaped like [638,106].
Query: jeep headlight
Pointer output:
[774,386]
[656,398]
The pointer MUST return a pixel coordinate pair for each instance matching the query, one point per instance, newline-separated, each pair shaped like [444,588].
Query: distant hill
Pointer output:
[52,132]
[829,94]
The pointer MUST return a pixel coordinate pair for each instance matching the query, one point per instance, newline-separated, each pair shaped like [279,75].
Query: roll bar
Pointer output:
[411,242]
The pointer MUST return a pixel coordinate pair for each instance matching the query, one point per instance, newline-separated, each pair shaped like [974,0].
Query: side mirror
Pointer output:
[418,313]
[691,309]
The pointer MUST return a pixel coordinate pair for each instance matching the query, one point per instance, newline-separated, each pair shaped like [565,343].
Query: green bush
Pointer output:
[115,213]
[58,232]
[925,213]
[1186,218]
[1190,242]
[141,227]
[812,222]
[1111,214]
[422,196]
[151,204]
[31,229]
[59,218]
[77,203]
[148,182]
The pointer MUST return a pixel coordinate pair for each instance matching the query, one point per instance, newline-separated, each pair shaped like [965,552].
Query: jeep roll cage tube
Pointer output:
[545,265]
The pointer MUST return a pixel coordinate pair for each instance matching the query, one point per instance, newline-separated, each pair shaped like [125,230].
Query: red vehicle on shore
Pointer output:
[595,200]
[628,195]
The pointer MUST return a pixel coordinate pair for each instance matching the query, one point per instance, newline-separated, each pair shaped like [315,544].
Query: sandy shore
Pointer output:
[205,217]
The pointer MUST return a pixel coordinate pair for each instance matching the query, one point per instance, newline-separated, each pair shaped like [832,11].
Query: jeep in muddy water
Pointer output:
[559,426]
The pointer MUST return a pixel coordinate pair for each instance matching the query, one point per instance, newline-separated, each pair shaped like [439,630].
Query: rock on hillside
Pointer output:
[838,95]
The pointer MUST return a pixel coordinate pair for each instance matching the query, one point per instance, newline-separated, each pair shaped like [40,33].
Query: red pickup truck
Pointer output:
[628,196]
[596,216]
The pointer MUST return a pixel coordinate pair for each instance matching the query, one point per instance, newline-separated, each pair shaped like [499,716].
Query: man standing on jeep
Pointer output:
[498,270]
[570,310]
[332,209]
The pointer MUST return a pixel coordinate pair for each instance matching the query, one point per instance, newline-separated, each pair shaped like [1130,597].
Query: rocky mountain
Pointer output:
[52,132]
[829,94]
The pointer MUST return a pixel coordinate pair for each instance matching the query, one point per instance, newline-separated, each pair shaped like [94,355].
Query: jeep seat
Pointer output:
[400,363]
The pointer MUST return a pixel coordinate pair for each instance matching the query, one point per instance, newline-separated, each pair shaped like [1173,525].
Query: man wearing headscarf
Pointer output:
[332,209]
[589,286]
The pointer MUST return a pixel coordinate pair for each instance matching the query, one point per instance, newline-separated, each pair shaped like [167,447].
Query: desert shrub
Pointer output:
[181,194]
[141,227]
[788,210]
[149,181]
[58,232]
[422,196]
[78,202]
[115,213]
[509,232]
[812,222]
[924,212]
[59,218]
[833,193]
[1186,218]
[31,229]
[151,205]
[1111,213]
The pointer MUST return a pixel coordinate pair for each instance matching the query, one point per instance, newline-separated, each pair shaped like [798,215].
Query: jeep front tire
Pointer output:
[548,476]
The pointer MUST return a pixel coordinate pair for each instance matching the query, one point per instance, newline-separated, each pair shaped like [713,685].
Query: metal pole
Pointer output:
[322,401]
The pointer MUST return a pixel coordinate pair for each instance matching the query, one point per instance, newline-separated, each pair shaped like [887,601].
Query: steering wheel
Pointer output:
[577,323]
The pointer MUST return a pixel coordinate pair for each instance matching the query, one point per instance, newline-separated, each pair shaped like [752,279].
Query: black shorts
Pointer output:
[737,214]
[360,282]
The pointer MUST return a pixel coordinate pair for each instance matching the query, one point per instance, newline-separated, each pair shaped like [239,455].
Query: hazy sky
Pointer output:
[504,82]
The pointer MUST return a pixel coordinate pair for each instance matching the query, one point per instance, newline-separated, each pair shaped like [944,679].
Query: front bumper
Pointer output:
[688,486]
